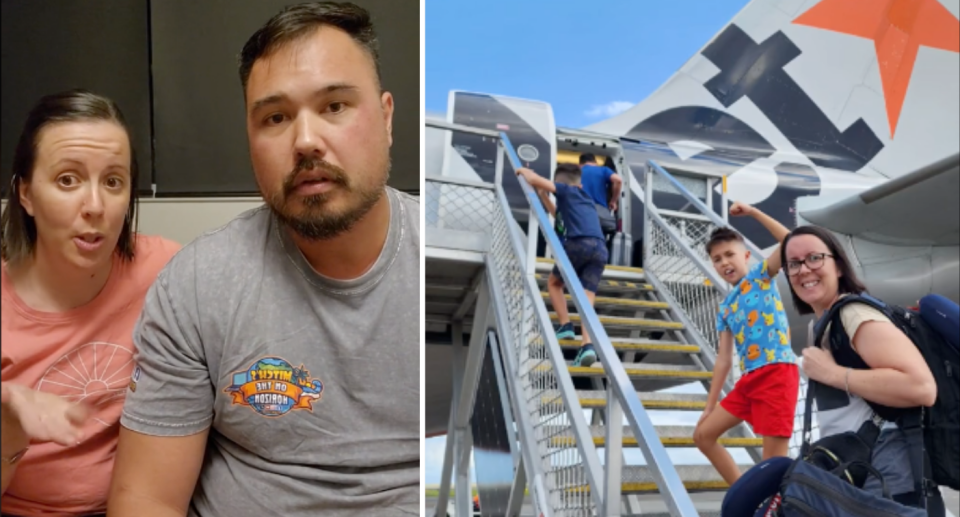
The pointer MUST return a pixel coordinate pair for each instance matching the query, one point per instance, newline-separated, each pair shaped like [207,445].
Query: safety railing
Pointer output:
[453,204]
[540,376]
[543,354]
[565,474]
[676,263]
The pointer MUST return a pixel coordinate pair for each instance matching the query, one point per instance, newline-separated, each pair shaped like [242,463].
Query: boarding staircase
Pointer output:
[573,430]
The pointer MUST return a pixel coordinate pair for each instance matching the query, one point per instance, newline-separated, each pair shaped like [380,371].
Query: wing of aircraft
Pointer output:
[917,209]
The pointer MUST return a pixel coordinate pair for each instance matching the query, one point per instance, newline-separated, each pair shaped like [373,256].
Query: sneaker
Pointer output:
[566,331]
[586,357]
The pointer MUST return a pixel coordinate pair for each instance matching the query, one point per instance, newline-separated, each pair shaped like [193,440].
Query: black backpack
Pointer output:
[939,424]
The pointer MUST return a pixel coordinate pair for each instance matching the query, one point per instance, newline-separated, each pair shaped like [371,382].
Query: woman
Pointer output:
[74,277]
[820,274]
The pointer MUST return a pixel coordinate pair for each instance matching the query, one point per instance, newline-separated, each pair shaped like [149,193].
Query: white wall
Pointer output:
[184,219]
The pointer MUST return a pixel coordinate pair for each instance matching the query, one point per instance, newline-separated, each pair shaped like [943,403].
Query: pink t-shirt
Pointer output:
[82,354]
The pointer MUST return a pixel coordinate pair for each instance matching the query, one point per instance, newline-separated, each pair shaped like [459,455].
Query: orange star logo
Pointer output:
[898,28]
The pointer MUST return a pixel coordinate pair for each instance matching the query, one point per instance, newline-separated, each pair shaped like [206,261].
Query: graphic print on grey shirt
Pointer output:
[311,386]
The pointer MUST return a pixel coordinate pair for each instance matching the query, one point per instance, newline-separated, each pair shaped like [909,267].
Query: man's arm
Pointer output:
[536,181]
[616,185]
[169,409]
[155,476]
[773,226]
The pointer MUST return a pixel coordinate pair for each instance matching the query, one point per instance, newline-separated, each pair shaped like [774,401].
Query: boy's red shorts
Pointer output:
[766,398]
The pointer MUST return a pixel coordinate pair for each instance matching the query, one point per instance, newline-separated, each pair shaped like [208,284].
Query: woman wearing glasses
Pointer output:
[895,375]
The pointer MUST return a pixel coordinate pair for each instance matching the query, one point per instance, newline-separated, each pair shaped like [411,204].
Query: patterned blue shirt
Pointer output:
[753,313]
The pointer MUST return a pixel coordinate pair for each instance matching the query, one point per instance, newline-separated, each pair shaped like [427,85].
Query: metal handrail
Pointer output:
[665,475]
[584,442]
[698,204]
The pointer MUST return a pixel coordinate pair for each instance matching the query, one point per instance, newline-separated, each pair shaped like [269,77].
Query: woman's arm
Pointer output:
[898,374]
[29,415]
[14,440]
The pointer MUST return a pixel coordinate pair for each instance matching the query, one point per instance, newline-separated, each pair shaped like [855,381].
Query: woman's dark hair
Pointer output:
[848,283]
[18,228]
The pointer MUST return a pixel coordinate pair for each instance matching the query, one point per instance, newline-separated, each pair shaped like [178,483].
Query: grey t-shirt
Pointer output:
[311,386]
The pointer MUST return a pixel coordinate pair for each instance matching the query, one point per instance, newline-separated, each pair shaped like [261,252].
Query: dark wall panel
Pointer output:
[201,142]
[54,45]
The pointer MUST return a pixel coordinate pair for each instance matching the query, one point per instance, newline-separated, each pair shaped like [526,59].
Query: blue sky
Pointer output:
[588,63]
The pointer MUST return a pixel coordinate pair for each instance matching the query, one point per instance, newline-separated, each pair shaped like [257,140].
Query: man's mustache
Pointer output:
[334,174]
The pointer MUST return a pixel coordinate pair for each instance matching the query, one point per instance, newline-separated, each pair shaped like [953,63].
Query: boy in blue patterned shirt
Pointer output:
[752,320]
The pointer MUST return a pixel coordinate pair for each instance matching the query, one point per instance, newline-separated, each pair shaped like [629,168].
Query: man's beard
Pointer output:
[316,221]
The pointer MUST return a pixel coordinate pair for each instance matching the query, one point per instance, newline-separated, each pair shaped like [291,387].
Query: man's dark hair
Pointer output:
[848,283]
[567,173]
[18,227]
[723,234]
[587,158]
[608,163]
[297,21]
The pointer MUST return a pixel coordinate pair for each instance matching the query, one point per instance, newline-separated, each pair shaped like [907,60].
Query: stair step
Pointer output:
[638,479]
[619,302]
[670,436]
[696,478]
[622,272]
[628,323]
[610,285]
[597,399]
[640,345]
[645,371]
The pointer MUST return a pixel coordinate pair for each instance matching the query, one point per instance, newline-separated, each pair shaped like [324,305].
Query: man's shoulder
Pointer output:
[410,204]
[600,170]
[222,250]
[410,208]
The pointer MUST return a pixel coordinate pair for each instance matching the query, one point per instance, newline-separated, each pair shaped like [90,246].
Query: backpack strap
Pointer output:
[807,417]
[911,422]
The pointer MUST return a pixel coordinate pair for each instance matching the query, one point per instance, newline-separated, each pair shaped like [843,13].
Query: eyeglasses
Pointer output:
[814,261]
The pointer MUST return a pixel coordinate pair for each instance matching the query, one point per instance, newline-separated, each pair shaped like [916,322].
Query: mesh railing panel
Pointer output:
[454,206]
[567,482]
[685,280]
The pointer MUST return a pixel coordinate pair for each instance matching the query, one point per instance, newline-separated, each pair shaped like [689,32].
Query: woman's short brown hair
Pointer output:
[18,227]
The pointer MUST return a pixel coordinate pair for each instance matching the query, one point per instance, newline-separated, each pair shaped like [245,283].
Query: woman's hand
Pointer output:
[44,417]
[820,366]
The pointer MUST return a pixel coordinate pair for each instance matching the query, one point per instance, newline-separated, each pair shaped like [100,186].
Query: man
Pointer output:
[278,356]
[600,182]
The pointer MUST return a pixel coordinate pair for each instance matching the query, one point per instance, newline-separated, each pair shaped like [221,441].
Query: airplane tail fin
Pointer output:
[856,86]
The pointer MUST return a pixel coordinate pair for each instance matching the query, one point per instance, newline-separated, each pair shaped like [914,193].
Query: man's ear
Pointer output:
[747,255]
[386,105]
